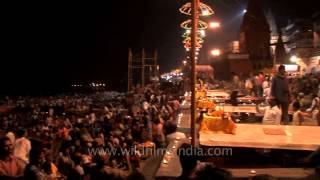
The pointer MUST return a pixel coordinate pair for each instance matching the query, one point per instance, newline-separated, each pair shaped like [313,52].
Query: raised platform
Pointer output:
[238,164]
[254,136]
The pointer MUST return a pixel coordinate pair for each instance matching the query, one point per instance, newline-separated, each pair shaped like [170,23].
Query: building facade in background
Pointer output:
[302,41]
[298,36]
[314,61]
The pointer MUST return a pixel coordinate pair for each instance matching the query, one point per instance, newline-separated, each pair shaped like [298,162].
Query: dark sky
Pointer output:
[47,46]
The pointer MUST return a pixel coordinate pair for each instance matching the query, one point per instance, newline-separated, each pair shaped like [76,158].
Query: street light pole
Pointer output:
[194,32]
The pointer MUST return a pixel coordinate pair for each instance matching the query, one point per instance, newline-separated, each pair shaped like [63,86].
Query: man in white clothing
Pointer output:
[22,146]
[272,113]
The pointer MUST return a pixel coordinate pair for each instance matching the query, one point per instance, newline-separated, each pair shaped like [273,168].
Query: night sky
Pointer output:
[48,46]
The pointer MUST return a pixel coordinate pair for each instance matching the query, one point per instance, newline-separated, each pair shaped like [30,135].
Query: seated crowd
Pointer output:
[83,136]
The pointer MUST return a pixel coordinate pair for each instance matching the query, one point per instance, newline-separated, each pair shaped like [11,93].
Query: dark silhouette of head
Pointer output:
[210,172]
[37,156]
[188,159]
[170,127]
[296,105]
[281,69]
[21,133]
[6,147]
[272,101]
[233,98]
[136,176]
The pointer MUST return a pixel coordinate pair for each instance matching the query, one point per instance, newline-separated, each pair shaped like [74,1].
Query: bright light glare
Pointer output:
[244,11]
[215,52]
[214,25]
[184,62]
[291,67]
[205,13]
[294,59]
[202,33]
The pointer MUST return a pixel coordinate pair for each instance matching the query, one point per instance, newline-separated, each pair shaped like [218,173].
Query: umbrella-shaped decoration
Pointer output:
[188,40]
[187,45]
[204,10]
[201,34]
[187,25]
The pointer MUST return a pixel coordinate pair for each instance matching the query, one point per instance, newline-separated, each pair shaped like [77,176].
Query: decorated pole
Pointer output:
[193,39]
[194,33]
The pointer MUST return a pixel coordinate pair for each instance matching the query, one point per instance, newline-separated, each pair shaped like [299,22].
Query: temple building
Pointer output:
[255,36]
[280,55]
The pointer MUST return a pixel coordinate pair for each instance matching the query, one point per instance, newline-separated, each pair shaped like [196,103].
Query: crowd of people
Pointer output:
[293,98]
[58,137]
[63,137]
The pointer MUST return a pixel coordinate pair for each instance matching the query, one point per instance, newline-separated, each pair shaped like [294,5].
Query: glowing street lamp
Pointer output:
[184,62]
[294,59]
[188,25]
[215,52]
[214,25]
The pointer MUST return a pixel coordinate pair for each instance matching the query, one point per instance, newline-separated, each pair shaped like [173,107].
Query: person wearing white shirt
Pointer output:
[272,113]
[22,146]
[265,84]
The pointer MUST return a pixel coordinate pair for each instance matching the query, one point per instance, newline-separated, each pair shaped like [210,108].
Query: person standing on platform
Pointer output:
[280,90]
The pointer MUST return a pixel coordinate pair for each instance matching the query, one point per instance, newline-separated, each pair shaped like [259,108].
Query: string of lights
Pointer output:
[203,10]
